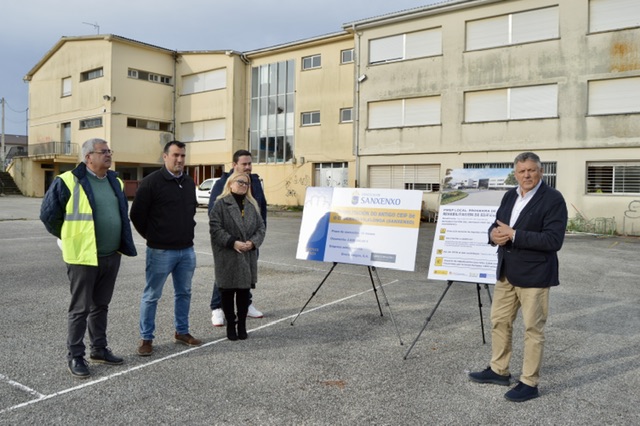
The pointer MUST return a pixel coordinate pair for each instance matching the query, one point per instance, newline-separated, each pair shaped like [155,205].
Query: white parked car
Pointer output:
[203,192]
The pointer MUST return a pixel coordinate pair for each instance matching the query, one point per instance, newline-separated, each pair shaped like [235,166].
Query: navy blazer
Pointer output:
[532,259]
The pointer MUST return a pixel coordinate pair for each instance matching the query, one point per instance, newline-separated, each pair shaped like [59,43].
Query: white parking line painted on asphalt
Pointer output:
[42,397]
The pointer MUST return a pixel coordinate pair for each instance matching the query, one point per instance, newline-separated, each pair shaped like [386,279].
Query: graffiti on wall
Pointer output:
[296,181]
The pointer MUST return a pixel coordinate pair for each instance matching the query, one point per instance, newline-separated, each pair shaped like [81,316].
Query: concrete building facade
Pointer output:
[394,101]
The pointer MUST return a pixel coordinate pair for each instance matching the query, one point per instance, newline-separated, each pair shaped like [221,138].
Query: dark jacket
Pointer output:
[52,210]
[164,210]
[256,192]
[235,270]
[532,259]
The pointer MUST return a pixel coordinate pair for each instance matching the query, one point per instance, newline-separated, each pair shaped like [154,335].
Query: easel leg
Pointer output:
[480,308]
[314,293]
[375,291]
[429,318]
[386,301]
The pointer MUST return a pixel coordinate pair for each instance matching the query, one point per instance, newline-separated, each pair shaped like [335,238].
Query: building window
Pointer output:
[346,56]
[90,123]
[616,96]
[66,86]
[272,112]
[613,178]
[400,47]
[90,75]
[549,169]
[148,124]
[311,62]
[607,15]
[206,130]
[335,175]
[153,77]
[311,118]
[515,28]
[517,103]
[204,81]
[422,177]
[404,112]
[346,115]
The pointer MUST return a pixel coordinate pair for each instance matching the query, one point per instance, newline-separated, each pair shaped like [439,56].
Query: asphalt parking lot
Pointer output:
[341,363]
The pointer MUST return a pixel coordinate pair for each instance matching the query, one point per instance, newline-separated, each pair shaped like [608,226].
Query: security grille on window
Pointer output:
[90,75]
[607,15]
[399,47]
[311,62]
[310,118]
[404,112]
[613,178]
[346,115]
[204,81]
[515,28]
[346,56]
[90,123]
[516,103]
[615,96]
[423,177]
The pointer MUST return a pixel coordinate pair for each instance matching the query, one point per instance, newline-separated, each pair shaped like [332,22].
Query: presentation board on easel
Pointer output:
[362,226]
[468,207]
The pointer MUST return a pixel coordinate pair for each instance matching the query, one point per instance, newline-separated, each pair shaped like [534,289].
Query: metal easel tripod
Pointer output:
[449,283]
[372,270]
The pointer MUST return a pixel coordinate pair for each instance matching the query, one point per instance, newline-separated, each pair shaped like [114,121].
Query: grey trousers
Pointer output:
[91,291]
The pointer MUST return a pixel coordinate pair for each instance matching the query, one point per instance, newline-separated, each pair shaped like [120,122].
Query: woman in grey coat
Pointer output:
[237,230]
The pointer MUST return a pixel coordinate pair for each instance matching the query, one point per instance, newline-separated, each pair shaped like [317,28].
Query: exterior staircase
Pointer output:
[7,185]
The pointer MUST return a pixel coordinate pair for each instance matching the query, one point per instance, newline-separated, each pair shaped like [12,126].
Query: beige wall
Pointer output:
[572,140]
[327,89]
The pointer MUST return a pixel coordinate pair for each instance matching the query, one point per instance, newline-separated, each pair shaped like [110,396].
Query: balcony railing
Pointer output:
[50,149]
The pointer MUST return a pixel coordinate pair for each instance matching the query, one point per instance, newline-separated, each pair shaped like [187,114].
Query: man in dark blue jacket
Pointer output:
[242,162]
[529,231]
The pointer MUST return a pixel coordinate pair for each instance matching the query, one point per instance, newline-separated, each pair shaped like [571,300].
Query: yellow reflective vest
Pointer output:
[78,232]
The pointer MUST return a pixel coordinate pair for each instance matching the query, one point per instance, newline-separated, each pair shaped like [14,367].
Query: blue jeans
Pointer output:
[181,264]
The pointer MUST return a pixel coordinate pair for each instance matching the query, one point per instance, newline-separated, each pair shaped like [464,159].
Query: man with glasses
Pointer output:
[163,212]
[86,209]
[242,163]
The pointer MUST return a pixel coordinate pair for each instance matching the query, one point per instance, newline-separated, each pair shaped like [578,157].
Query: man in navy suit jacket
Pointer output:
[529,230]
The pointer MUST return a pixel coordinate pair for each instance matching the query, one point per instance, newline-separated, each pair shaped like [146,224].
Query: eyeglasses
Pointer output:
[102,151]
[242,183]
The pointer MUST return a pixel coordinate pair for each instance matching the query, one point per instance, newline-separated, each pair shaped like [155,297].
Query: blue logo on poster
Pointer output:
[355,198]
[483,275]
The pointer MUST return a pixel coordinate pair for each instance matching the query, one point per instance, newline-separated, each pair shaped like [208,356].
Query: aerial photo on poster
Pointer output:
[468,205]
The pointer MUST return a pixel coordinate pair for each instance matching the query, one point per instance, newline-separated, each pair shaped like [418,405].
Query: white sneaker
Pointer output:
[253,312]
[217,318]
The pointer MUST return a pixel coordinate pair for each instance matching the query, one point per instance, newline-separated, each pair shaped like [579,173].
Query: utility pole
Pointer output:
[2,135]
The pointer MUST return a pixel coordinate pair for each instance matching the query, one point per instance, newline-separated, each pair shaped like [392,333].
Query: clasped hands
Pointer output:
[502,233]
[243,246]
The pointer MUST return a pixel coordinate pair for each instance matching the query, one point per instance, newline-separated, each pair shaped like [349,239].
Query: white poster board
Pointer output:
[460,246]
[461,249]
[362,226]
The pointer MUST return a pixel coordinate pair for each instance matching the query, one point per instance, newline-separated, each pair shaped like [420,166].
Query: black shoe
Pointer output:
[242,330]
[489,376]
[78,367]
[522,392]
[105,356]
[231,331]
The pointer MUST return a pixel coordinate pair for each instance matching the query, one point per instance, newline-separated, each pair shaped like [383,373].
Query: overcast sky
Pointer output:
[29,28]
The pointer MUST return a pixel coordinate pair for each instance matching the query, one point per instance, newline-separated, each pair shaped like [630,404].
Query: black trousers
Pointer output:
[242,296]
[91,290]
